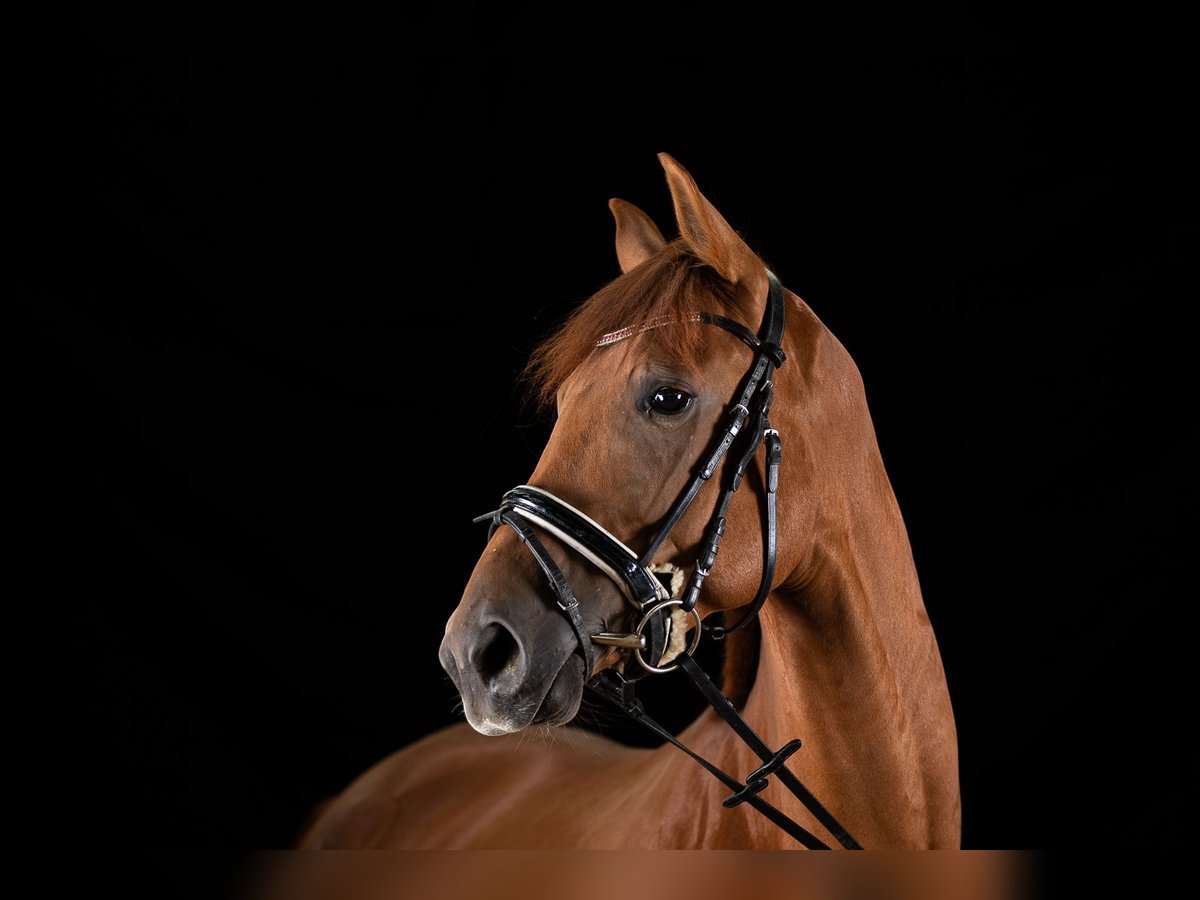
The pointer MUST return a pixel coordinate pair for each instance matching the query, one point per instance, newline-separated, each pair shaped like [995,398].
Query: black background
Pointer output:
[282,298]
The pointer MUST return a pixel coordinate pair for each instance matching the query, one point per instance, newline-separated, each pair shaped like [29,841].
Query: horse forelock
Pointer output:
[669,286]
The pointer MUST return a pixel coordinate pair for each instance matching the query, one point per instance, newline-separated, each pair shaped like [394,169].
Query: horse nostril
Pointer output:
[496,653]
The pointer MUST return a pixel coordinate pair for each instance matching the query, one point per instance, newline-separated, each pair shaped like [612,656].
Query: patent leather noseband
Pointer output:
[526,508]
[746,425]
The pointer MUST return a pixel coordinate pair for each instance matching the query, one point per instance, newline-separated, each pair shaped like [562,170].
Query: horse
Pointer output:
[842,654]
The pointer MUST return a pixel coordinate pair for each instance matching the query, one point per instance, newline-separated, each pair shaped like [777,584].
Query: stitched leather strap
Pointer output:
[770,536]
[756,395]
[564,597]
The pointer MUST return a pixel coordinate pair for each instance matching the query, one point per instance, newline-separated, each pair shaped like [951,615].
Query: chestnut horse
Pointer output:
[843,655]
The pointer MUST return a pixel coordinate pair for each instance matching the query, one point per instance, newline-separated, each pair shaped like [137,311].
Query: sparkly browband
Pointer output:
[629,331]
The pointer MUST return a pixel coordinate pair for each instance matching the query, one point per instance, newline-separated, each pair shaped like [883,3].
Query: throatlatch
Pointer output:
[526,509]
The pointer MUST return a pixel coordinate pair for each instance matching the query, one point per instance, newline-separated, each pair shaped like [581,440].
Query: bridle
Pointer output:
[527,509]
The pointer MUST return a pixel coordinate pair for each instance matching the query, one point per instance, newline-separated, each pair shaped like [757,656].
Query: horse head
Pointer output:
[641,389]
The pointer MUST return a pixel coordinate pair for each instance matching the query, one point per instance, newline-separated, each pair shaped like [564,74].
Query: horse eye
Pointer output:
[670,400]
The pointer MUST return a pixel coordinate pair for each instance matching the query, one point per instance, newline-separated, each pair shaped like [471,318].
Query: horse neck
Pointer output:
[849,663]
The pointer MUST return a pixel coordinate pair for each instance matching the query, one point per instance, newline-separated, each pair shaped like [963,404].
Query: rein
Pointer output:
[526,509]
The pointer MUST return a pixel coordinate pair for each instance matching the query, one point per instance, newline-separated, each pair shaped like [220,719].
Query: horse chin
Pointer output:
[562,700]
[557,706]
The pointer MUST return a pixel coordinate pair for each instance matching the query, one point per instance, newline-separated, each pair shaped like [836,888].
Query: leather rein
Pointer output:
[528,509]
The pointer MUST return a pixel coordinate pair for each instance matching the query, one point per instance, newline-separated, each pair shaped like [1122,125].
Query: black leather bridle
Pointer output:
[527,509]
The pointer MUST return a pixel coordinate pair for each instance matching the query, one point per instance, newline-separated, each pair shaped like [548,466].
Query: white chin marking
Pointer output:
[492,727]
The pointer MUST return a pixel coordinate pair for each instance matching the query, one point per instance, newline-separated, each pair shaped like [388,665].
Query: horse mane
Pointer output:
[672,283]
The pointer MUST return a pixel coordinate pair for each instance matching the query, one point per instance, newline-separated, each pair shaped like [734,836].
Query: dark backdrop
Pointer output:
[283,297]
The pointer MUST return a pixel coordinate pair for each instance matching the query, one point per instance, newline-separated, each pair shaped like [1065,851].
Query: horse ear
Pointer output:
[709,236]
[638,238]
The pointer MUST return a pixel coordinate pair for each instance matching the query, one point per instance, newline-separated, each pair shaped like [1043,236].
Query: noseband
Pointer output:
[526,509]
